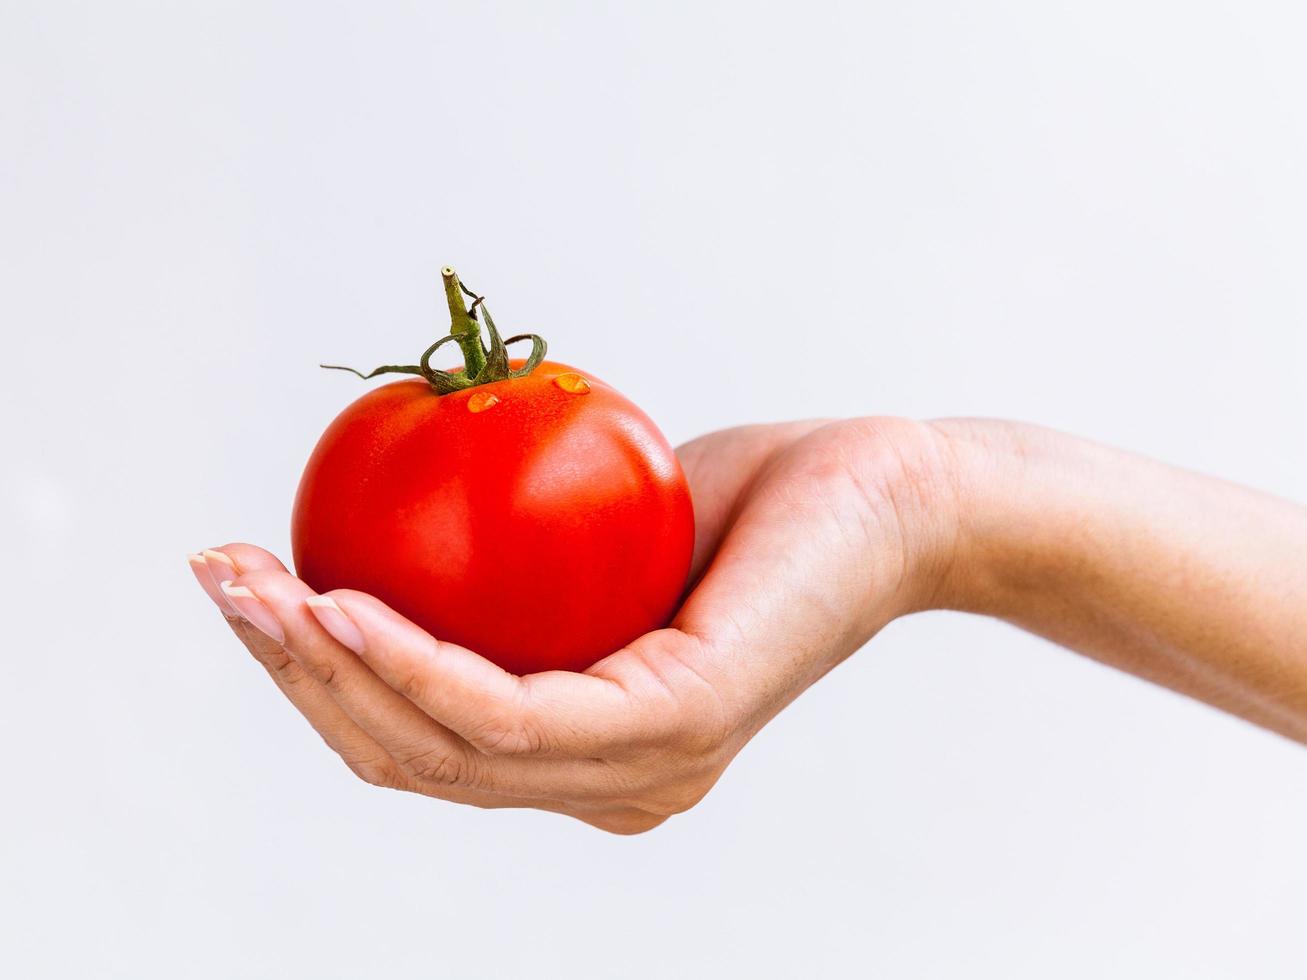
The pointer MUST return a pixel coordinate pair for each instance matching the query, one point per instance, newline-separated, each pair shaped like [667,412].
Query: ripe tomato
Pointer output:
[540,520]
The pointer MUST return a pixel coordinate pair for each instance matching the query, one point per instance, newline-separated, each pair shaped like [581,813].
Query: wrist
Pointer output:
[908,476]
[1012,513]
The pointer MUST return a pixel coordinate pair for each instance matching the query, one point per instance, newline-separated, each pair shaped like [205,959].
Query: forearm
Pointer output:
[1188,581]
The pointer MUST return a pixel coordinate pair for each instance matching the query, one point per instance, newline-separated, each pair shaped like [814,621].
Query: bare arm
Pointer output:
[810,537]
[1188,581]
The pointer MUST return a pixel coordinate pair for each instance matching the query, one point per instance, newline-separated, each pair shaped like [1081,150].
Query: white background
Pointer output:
[1088,215]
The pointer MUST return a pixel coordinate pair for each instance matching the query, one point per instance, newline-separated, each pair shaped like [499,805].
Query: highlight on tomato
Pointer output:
[521,508]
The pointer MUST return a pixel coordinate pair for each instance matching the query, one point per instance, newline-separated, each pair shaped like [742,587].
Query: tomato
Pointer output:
[540,520]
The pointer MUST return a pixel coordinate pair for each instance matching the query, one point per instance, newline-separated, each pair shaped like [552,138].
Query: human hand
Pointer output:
[809,538]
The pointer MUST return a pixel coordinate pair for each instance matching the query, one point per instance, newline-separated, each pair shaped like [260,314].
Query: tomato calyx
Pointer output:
[482,364]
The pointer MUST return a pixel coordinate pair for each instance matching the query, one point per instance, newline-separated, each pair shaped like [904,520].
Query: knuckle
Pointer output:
[375,772]
[669,797]
[261,647]
[323,673]
[439,766]
[694,719]
[411,686]
[697,730]
[496,738]
[511,727]
[282,668]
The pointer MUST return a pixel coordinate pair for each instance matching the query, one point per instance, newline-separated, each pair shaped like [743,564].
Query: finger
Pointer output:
[200,569]
[556,713]
[275,601]
[368,760]
[247,557]
[364,756]
[357,749]
[360,752]
[425,750]
[213,566]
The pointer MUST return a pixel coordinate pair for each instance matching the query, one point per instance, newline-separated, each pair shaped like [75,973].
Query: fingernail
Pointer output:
[252,608]
[335,622]
[221,569]
[200,569]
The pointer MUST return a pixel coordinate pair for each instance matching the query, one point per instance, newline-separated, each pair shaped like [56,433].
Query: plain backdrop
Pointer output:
[1088,215]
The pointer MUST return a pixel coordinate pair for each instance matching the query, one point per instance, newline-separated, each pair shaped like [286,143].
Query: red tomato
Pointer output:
[542,521]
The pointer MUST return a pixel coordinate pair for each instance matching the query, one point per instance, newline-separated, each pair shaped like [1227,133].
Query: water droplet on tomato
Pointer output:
[572,383]
[481,400]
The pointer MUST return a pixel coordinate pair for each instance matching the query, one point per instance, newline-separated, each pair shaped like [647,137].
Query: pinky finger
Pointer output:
[360,752]
[364,756]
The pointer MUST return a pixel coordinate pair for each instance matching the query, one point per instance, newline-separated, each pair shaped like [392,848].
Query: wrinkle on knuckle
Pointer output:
[260,647]
[413,680]
[412,686]
[701,727]
[283,669]
[513,729]
[438,766]
[670,784]
[699,723]
[665,791]
[324,673]
[494,738]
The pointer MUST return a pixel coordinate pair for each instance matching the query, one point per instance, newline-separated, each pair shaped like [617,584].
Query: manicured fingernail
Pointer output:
[200,569]
[221,569]
[335,622]
[252,608]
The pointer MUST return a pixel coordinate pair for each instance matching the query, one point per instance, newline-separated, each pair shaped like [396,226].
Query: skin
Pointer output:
[811,537]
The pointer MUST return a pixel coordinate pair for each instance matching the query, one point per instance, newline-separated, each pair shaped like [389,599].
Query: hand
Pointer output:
[810,537]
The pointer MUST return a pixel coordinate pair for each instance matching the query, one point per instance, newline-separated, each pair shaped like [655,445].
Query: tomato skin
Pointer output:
[544,532]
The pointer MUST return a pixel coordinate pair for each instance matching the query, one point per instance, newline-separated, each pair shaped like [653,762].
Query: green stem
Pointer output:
[479,367]
[462,326]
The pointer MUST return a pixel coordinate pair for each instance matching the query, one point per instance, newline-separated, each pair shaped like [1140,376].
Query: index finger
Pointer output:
[552,713]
